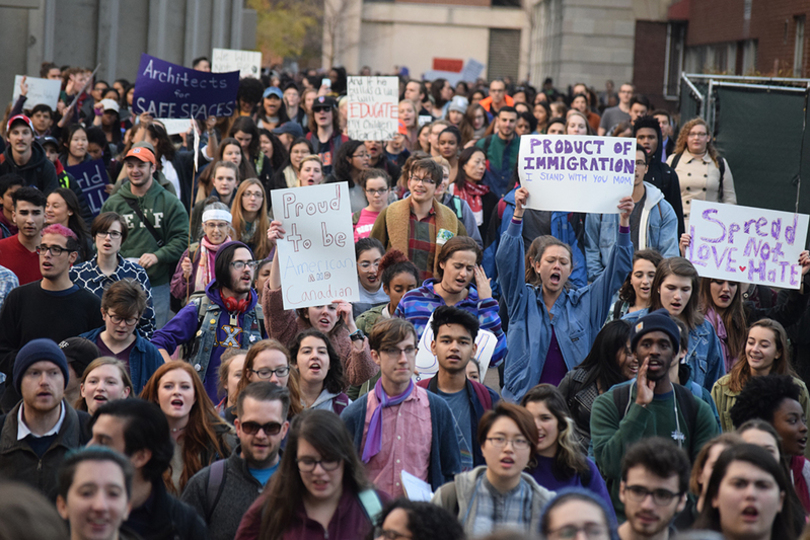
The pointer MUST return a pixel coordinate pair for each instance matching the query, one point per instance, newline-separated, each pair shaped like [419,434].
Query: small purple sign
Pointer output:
[92,178]
[166,90]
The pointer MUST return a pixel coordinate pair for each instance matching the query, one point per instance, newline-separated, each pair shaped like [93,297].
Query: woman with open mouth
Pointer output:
[746,497]
[508,438]
[311,171]
[322,490]
[635,292]
[560,462]
[201,437]
[268,360]
[320,372]
[722,305]
[105,379]
[369,252]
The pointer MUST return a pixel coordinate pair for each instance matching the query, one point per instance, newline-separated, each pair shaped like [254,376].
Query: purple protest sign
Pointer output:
[166,90]
[92,178]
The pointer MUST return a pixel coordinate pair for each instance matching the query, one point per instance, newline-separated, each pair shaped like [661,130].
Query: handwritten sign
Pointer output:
[92,178]
[745,244]
[373,108]
[40,92]
[166,90]
[427,365]
[247,63]
[316,256]
[576,173]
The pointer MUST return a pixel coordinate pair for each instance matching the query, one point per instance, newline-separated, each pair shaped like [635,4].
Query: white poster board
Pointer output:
[427,365]
[40,91]
[576,173]
[175,126]
[316,255]
[247,63]
[373,110]
[745,244]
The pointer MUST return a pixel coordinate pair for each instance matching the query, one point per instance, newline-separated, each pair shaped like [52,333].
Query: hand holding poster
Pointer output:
[749,245]
[373,111]
[316,255]
[92,178]
[166,90]
[247,63]
[40,91]
[576,173]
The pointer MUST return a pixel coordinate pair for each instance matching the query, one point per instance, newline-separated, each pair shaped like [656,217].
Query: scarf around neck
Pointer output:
[472,193]
[374,437]
[205,264]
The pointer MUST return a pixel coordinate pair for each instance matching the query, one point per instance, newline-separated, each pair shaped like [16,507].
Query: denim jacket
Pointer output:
[704,356]
[144,359]
[658,229]
[577,315]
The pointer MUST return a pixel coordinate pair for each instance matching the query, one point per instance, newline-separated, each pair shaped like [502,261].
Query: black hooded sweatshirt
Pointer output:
[38,172]
[665,178]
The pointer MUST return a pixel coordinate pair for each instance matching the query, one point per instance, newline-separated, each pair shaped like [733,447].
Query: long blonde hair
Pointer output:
[683,136]
[262,223]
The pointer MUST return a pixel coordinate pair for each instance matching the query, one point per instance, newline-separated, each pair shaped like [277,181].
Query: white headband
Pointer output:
[221,215]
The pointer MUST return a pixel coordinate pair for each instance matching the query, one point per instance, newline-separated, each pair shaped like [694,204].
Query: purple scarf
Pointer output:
[374,437]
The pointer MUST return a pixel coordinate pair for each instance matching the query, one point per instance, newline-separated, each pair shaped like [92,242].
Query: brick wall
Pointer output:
[649,54]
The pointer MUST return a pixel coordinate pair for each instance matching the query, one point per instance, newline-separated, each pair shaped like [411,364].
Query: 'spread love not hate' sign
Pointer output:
[316,255]
[166,90]
[373,110]
[750,245]
[576,173]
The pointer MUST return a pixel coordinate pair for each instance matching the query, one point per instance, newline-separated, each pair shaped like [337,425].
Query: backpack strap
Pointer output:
[483,395]
[372,505]
[216,473]
[621,399]
[675,160]
[686,401]
[721,164]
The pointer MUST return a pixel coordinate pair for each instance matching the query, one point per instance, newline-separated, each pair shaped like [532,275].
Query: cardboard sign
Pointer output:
[427,365]
[166,90]
[576,173]
[316,256]
[92,178]
[749,245]
[40,92]
[247,63]
[373,109]
[175,126]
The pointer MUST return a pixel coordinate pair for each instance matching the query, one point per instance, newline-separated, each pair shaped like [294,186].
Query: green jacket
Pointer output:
[167,215]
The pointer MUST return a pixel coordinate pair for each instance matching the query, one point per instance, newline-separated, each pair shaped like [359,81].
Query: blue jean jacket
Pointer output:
[577,315]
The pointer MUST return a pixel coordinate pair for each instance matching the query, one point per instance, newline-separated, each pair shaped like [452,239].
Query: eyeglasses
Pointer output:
[118,320]
[377,191]
[115,235]
[569,532]
[698,135]
[641,163]
[424,180]
[53,250]
[252,428]
[518,443]
[395,352]
[388,534]
[240,265]
[308,464]
[252,195]
[661,497]
[363,155]
[266,373]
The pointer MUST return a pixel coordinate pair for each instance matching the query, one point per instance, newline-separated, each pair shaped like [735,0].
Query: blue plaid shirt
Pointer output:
[89,276]
[8,281]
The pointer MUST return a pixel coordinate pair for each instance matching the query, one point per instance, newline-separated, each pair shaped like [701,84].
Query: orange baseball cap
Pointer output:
[143,154]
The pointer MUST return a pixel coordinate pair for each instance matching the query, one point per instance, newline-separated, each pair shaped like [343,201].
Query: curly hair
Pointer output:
[762,396]
[425,520]
[683,136]
[393,263]
[335,381]
[627,293]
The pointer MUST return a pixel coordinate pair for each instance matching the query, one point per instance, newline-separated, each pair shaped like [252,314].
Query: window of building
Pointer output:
[504,58]
[798,47]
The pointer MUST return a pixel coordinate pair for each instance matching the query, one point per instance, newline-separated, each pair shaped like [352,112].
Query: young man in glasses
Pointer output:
[419,224]
[52,308]
[399,426]
[222,492]
[655,478]
[227,316]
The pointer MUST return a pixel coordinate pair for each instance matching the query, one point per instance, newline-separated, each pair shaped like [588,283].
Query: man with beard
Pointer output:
[454,333]
[25,156]
[222,492]
[226,316]
[655,478]
[649,406]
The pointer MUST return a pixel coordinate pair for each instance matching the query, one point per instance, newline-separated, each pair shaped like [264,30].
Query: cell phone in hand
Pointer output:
[326,81]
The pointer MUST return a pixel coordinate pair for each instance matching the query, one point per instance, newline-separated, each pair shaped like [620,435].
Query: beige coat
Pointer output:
[700,180]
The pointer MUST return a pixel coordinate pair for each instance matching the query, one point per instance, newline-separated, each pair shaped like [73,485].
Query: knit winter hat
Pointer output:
[38,350]
[657,321]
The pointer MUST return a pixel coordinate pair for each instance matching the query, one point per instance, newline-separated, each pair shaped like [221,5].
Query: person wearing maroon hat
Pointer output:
[25,156]
[157,223]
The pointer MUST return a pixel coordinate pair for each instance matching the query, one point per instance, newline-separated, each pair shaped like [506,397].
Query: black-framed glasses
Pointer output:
[377,191]
[118,320]
[661,496]
[569,532]
[362,155]
[252,428]
[423,179]
[240,265]
[54,250]
[395,352]
[266,373]
[308,464]
[115,235]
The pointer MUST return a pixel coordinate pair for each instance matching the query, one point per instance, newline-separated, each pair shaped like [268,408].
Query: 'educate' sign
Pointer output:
[92,178]
[40,92]
[247,63]
[576,173]
[166,90]
[749,245]
[316,256]
[373,111]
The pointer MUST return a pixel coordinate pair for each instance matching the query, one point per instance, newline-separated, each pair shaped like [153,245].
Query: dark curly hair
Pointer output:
[627,293]
[335,380]
[425,520]
[762,396]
